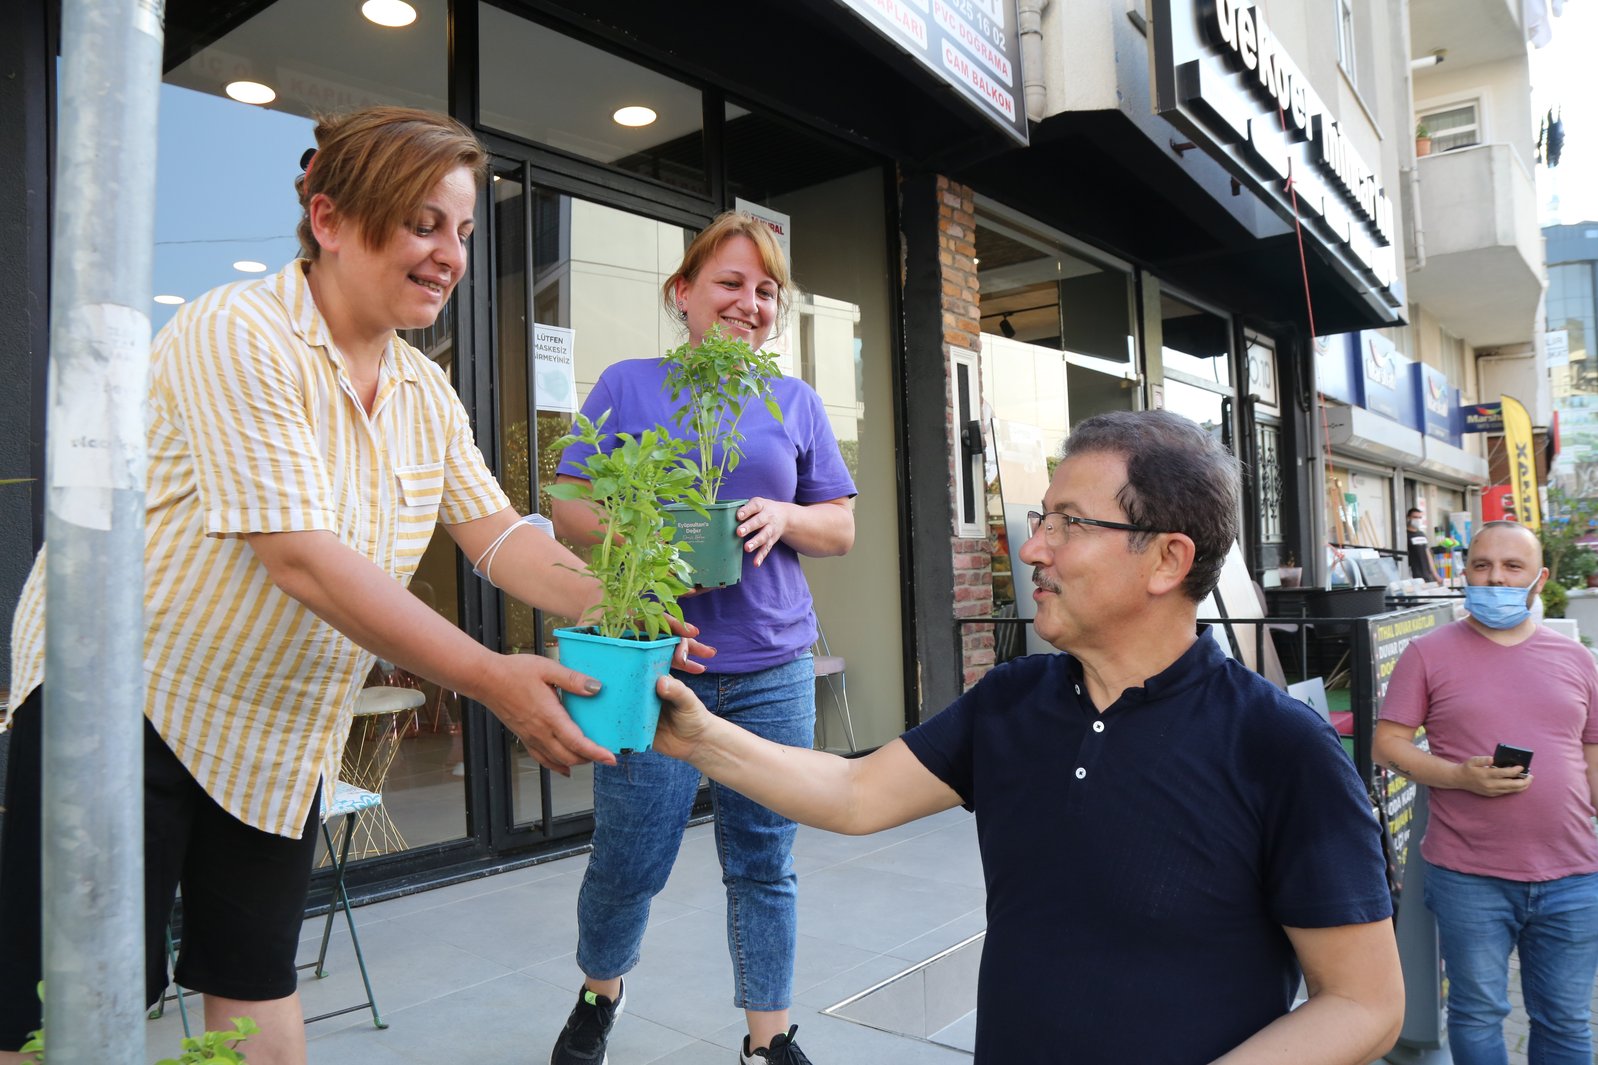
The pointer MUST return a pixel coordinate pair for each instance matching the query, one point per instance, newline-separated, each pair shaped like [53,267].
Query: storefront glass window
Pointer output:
[226,210]
[547,88]
[1057,347]
[830,200]
[1195,342]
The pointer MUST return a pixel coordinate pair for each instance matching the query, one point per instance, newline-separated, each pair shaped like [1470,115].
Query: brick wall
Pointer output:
[973,576]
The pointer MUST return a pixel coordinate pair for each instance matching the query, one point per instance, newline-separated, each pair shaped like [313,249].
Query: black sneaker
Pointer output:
[782,1051]
[582,1041]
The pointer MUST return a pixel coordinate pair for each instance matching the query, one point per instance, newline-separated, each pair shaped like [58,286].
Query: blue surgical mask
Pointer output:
[1497,606]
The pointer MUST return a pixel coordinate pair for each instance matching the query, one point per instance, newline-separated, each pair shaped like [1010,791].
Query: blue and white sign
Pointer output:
[1482,418]
[1435,403]
[1385,379]
[1335,377]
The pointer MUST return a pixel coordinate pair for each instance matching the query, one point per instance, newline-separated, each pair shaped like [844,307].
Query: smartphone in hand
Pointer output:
[1506,756]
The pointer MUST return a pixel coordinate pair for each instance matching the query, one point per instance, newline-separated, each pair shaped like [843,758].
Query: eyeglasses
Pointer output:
[1057,526]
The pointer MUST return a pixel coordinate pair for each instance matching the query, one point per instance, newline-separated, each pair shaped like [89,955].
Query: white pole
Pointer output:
[103,242]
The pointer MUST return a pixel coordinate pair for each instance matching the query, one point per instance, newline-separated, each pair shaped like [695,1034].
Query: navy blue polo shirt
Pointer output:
[1140,863]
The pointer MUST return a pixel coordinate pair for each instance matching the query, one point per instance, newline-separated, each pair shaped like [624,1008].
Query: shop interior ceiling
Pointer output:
[316,45]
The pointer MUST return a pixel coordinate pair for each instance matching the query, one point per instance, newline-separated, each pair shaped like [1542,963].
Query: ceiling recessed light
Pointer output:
[251,92]
[634,115]
[389,12]
[170,301]
[249,266]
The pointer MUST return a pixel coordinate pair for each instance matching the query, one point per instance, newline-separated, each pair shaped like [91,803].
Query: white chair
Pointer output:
[830,668]
[382,717]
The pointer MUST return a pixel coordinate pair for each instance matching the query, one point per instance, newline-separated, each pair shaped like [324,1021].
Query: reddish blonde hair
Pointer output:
[724,227]
[378,164]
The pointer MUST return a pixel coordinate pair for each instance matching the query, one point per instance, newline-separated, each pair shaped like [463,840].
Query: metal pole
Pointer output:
[94,638]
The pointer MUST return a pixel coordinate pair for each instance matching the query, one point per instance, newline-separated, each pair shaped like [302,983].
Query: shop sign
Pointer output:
[1386,380]
[1262,373]
[781,226]
[1222,76]
[973,45]
[1556,345]
[1437,403]
[1388,636]
[1334,369]
[1520,440]
[1482,418]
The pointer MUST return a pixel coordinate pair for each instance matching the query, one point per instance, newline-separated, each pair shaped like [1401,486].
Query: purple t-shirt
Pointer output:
[765,619]
[1473,694]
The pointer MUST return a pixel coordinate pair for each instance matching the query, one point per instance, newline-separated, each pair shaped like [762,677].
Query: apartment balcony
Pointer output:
[1478,252]
[1472,31]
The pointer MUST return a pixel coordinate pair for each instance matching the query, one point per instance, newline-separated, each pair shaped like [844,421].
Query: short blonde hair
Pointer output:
[378,164]
[723,228]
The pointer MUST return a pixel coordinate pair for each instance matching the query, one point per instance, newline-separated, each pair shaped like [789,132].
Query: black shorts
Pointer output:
[244,890]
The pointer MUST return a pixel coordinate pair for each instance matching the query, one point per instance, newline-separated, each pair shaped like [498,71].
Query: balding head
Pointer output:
[1512,532]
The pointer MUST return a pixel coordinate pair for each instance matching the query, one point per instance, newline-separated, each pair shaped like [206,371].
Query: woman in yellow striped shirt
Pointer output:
[300,454]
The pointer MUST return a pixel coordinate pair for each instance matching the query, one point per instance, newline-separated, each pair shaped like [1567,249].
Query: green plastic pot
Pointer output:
[717,558]
[623,715]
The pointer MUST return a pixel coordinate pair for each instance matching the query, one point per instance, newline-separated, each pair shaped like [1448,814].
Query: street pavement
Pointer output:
[483,970]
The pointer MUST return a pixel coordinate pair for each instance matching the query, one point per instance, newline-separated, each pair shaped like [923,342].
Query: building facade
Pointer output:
[1003,217]
[1573,372]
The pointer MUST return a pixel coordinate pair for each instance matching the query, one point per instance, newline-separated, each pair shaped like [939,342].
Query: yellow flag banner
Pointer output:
[1522,462]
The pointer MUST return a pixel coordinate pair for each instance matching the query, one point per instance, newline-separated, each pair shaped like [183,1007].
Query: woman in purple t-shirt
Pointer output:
[800,497]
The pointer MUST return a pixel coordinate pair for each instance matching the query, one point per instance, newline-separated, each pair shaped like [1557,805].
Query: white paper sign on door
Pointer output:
[780,345]
[554,370]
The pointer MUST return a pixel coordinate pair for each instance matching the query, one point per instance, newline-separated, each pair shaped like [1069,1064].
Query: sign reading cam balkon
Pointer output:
[973,45]
[1222,76]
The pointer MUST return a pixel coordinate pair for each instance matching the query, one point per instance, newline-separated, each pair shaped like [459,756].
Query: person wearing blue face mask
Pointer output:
[1511,859]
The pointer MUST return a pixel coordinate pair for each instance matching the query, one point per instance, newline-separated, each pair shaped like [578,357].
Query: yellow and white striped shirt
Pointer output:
[255,428]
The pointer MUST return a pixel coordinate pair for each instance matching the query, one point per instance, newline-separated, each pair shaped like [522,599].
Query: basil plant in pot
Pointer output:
[641,571]
[715,383]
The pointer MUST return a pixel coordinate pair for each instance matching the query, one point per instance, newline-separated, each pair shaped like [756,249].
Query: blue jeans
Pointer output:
[1554,923]
[641,807]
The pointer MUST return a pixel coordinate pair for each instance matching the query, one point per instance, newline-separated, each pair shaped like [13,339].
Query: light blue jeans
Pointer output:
[1554,924]
[641,807]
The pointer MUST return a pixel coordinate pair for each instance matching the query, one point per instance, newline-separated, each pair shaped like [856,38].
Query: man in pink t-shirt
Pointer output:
[1512,860]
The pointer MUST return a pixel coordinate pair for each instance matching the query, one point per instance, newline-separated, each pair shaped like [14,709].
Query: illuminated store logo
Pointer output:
[1335,184]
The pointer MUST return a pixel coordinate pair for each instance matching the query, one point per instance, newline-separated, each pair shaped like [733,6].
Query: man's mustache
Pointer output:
[1042,581]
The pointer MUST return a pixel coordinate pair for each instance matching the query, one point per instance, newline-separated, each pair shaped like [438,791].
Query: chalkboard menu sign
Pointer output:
[1386,637]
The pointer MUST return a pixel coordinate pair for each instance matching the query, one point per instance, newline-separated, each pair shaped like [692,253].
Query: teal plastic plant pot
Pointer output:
[622,716]
[717,558]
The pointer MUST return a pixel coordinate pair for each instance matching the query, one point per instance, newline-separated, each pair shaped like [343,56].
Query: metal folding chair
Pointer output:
[830,668]
[347,801]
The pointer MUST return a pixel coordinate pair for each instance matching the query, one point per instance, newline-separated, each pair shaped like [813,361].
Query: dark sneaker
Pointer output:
[782,1051]
[582,1041]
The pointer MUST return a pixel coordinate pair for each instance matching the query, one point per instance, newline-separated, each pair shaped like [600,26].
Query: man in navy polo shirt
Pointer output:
[1168,840]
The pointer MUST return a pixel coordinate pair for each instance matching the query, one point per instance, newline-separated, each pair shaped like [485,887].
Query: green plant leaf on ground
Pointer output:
[210,1046]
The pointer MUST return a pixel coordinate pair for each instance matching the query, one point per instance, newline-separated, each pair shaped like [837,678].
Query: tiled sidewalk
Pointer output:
[484,970]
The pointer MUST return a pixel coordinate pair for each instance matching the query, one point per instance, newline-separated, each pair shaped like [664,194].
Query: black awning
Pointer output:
[1100,177]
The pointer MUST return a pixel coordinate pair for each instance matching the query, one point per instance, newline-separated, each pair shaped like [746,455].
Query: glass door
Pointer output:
[575,287]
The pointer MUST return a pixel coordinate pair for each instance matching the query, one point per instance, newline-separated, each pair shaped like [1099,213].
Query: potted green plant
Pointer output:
[715,384]
[1423,139]
[641,570]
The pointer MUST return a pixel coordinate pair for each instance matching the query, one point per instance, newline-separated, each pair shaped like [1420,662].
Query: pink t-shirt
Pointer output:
[1473,694]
